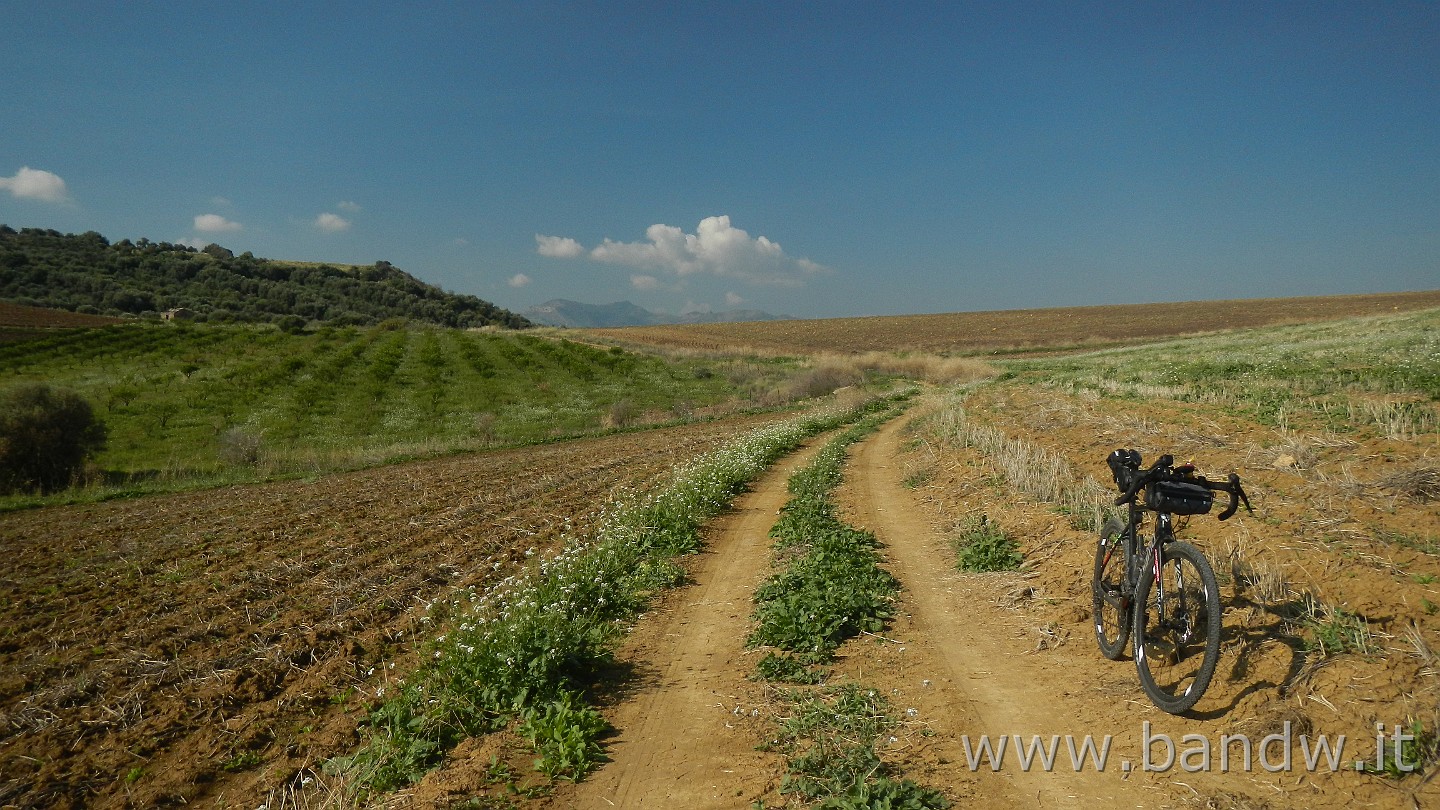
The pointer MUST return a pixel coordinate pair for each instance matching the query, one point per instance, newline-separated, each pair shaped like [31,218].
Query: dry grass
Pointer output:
[1420,483]
[1420,650]
[1031,469]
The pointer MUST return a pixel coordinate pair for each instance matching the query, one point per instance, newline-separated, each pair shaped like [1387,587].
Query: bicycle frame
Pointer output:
[1150,554]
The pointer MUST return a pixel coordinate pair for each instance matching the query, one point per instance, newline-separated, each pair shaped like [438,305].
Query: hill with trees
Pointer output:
[86,273]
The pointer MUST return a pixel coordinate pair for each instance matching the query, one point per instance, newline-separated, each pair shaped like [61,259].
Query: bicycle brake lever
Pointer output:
[1237,496]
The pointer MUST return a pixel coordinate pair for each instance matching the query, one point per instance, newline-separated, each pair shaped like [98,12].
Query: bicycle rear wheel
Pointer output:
[1112,609]
[1177,628]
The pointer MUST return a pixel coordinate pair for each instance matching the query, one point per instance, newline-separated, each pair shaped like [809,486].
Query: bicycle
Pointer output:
[1164,594]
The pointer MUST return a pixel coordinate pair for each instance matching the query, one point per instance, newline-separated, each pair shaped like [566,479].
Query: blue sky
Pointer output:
[819,160]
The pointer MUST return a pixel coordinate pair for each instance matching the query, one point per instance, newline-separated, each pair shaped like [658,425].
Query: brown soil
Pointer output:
[1013,654]
[166,638]
[213,647]
[19,316]
[1328,531]
[19,322]
[979,662]
[1028,329]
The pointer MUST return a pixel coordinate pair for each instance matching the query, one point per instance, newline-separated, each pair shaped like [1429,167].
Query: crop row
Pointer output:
[224,401]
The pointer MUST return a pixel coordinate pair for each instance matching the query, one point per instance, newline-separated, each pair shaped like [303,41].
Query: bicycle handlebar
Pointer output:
[1164,470]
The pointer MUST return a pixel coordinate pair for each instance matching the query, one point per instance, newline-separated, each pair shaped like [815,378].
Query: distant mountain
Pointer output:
[560,312]
[85,273]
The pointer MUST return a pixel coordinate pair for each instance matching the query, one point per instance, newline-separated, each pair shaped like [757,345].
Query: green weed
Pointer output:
[1415,751]
[982,546]
[832,587]
[564,732]
[1334,630]
[791,668]
[241,761]
[830,736]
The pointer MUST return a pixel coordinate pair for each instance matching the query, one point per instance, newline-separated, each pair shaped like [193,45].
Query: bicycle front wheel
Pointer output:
[1177,627]
[1112,609]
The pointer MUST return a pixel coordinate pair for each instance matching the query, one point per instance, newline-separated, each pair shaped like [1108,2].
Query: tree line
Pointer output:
[87,273]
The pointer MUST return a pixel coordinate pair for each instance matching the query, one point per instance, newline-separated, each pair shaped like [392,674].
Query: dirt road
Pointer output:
[953,661]
[985,677]
[687,738]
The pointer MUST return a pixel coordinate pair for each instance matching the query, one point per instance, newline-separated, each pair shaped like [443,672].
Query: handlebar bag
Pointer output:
[1179,498]
[1122,467]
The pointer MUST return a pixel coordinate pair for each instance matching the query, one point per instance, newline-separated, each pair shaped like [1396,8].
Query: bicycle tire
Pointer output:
[1176,653]
[1112,614]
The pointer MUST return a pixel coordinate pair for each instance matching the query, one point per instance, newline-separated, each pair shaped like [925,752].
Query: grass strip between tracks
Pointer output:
[526,650]
[831,589]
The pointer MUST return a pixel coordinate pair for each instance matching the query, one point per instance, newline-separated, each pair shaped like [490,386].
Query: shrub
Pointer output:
[622,414]
[292,324]
[822,380]
[46,434]
[240,446]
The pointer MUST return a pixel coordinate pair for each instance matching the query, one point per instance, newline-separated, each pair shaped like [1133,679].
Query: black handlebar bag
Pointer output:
[1179,498]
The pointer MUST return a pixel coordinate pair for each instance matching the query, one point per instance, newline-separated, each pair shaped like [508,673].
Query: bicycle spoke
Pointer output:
[1178,629]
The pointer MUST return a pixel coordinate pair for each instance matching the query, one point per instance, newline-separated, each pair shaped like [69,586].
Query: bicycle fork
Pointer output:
[1174,618]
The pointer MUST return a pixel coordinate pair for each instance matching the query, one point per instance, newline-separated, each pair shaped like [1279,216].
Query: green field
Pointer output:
[1380,374]
[202,402]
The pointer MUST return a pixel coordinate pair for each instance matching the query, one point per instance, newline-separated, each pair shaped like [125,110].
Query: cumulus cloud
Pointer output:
[332,223]
[518,280]
[348,205]
[558,247]
[36,184]
[214,223]
[642,281]
[717,248]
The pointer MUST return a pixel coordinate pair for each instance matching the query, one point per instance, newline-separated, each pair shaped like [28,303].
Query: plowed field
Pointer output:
[213,646]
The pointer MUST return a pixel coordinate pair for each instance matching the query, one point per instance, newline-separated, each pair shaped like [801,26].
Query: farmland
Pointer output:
[205,403]
[185,639]
[1008,332]
[220,646]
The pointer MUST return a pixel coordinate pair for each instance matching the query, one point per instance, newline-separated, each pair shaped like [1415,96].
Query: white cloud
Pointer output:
[333,223]
[733,300]
[518,280]
[641,281]
[220,202]
[716,247]
[36,184]
[558,247]
[348,205]
[214,223]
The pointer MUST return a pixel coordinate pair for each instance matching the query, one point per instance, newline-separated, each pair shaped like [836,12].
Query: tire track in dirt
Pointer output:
[993,686]
[687,737]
